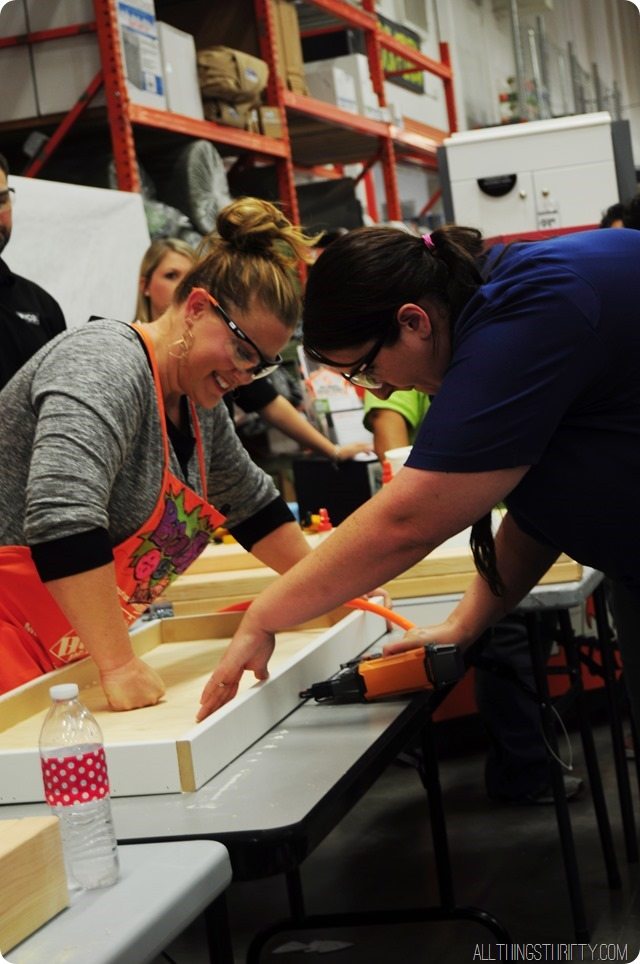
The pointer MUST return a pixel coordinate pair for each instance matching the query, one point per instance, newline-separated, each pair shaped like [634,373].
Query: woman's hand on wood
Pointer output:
[132,685]
[250,649]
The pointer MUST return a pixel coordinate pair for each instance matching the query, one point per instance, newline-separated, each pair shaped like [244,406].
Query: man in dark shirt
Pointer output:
[29,316]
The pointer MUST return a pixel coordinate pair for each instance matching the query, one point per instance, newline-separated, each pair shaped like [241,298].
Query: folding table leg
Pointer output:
[557,783]
[615,723]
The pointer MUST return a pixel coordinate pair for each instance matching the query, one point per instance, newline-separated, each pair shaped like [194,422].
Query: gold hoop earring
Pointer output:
[183,345]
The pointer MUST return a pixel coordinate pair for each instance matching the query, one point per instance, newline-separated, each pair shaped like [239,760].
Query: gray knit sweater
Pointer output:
[81,445]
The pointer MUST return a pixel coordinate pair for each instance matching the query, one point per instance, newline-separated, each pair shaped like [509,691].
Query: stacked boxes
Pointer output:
[180,71]
[344,81]
[331,84]
[289,45]
[49,77]
[141,52]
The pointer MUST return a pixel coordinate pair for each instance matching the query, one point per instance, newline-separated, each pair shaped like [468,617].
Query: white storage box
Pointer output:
[331,84]
[357,66]
[180,71]
[141,53]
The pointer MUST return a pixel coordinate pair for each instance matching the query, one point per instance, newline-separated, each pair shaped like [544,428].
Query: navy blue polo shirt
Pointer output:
[545,371]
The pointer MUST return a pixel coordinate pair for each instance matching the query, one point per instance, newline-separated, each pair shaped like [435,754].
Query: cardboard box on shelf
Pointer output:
[290,60]
[180,71]
[270,121]
[253,121]
[331,84]
[233,115]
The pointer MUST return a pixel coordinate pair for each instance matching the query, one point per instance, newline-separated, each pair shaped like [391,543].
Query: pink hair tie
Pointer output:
[428,240]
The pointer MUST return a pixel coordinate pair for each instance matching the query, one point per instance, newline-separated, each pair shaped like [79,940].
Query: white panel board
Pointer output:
[82,244]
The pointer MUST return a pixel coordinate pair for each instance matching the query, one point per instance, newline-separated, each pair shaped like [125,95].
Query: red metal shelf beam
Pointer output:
[207,130]
[353,16]
[33,169]
[324,111]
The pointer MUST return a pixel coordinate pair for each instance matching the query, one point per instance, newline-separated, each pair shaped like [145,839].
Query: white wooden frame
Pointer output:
[191,756]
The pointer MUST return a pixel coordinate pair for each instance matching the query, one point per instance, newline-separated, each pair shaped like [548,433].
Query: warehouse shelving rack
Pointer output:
[315,135]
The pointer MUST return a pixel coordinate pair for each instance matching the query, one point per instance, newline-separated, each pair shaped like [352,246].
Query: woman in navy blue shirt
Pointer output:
[532,354]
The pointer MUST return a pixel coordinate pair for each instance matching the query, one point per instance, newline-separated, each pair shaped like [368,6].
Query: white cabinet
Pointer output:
[558,173]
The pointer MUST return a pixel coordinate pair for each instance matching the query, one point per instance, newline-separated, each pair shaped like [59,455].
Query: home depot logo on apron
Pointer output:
[35,635]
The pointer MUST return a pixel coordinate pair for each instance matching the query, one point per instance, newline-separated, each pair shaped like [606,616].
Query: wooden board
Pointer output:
[227,574]
[160,749]
[33,883]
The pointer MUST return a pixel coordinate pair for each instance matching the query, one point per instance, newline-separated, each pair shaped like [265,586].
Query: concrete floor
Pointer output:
[506,860]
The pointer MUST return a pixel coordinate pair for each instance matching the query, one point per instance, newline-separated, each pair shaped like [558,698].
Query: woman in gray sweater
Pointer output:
[117,461]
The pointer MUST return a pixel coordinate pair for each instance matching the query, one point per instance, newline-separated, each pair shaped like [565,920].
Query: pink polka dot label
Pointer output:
[75,779]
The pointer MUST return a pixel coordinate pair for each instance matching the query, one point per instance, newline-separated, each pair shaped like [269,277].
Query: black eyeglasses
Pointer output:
[7,198]
[360,375]
[242,356]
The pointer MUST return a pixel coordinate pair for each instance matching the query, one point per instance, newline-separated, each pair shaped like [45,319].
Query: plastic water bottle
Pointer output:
[76,784]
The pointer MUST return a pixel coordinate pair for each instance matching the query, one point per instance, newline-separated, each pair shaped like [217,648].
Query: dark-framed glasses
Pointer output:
[7,198]
[361,375]
[245,351]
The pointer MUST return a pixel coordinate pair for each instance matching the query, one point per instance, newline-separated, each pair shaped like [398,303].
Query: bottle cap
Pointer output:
[64,691]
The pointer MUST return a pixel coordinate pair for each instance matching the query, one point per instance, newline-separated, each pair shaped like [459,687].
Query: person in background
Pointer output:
[164,265]
[532,352]
[517,764]
[621,215]
[137,461]
[29,316]
[394,421]
[631,213]
[612,217]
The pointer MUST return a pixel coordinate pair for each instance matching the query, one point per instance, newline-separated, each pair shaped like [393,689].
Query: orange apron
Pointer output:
[35,635]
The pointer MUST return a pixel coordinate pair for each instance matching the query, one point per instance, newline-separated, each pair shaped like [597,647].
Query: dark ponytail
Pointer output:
[484,554]
[358,283]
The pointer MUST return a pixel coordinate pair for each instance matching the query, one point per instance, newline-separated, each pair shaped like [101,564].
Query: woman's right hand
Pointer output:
[446,633]
[132,685]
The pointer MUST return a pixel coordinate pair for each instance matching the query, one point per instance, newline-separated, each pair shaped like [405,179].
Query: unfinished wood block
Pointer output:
[33,883]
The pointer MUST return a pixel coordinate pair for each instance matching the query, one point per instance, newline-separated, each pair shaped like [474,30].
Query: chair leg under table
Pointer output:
[569,645]
[217,929]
